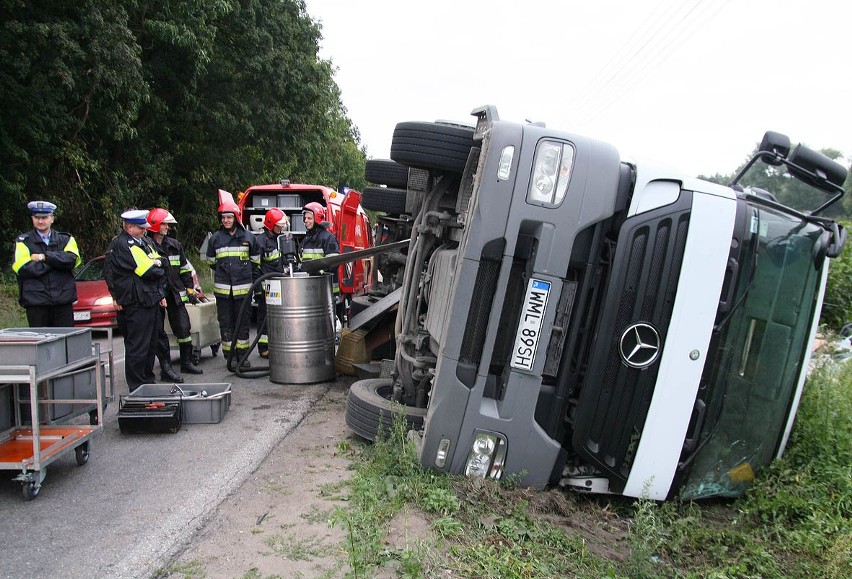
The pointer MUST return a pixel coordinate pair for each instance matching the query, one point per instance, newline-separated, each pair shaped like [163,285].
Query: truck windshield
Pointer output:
[760,352]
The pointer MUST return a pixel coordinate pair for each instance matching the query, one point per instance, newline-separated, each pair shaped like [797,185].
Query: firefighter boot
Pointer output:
[167,373]
[187,365]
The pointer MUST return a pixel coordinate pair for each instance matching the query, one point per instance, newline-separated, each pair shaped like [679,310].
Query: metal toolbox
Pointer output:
[137,416]
[263,201]
[202,403]
[290,201]
[44,348]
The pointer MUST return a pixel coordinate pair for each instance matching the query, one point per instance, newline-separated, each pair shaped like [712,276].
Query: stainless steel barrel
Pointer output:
[300,326]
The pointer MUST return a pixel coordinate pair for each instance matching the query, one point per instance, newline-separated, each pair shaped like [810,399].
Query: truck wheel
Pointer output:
[437,146]
[386,172]
[368,405]
[361,303]
[389,200]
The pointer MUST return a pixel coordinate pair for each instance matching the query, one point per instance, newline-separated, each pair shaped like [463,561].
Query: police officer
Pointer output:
[180,290]
[275,222]
[44,263]
[134,274]
[234,255]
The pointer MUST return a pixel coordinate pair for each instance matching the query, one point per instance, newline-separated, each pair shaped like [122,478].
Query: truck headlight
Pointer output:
[551,173]
[487,455]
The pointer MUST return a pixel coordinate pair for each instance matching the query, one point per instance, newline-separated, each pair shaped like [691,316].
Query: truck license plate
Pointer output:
[82,316]
[529,326]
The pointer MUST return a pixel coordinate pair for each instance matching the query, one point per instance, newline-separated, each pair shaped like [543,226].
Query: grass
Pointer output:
[793,522]
[12,315]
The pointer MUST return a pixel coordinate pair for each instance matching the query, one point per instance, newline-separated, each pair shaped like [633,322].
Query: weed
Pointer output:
[297,548]
[188,570]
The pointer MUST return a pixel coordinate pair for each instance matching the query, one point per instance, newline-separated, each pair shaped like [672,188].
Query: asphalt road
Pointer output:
[141,497]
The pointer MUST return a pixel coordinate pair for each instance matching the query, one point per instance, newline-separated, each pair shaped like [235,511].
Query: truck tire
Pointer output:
[437,146]
[368,405]
[361,303]
[386,172]
[391,201]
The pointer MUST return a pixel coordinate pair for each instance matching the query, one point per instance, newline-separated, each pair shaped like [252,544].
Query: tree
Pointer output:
[138,104]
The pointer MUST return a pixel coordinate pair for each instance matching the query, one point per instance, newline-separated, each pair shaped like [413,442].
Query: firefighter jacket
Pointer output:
[271,259]
[235,259]
[178,270]
[49,282]
[319,242]
[131,272]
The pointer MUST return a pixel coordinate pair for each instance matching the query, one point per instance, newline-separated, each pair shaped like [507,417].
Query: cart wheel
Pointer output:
[196,356]
[214,349]
[30,489]
[93,417]
[82,453]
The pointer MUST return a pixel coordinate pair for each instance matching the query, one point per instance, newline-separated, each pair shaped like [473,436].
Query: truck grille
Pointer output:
[614,397]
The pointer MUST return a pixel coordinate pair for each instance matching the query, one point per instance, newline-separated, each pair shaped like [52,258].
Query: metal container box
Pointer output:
[44,351]
[204,325]
[78,341]
[203,403]
[77,385]
[7,417]
[263,201]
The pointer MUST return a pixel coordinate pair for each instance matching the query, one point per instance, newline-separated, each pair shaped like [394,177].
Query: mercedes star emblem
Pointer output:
[639,345]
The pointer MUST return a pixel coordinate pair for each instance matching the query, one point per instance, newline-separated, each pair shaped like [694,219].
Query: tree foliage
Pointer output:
[137,104]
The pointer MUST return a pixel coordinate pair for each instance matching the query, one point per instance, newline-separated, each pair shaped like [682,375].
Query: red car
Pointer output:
[94,307]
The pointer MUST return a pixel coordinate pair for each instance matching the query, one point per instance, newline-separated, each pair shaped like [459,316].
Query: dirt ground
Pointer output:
[277,523]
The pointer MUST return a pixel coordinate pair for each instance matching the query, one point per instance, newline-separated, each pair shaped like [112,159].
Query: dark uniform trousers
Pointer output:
[140,344]
[51,316]
[179,322]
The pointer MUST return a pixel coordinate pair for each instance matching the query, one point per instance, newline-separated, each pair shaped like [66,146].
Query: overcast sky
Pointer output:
[692,83]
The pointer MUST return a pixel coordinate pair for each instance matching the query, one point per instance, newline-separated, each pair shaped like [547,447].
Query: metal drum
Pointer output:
[300,326]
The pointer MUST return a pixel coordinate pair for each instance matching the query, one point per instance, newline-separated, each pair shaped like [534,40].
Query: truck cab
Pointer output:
[571,318]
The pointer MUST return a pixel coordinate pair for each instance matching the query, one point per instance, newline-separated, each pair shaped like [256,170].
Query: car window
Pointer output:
[92,271]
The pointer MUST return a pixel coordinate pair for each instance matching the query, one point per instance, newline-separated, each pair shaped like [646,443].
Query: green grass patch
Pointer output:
[12,315]
[793,522]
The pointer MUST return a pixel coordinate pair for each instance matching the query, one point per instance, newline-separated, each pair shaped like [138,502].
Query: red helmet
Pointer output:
[317,209]
[157,216]
[275,217]
[231,207]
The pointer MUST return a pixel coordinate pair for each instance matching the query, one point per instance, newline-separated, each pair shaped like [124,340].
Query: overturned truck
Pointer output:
[571,318]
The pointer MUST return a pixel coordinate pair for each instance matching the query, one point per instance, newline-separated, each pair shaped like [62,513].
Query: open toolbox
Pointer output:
[200,403]
[153,417]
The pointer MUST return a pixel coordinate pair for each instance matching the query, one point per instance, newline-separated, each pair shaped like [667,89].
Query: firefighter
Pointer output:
[134,274]
[275,222]
[180,290]
[234,255]
[44,264]
[319,242]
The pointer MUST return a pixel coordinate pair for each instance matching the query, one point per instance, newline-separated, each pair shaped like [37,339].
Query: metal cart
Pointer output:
[31,448]
[204,329]
[77,384]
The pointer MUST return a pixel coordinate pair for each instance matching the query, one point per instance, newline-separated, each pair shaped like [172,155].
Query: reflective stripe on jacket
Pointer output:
[235,259]
[178,270]
[131,273]
[319,242]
